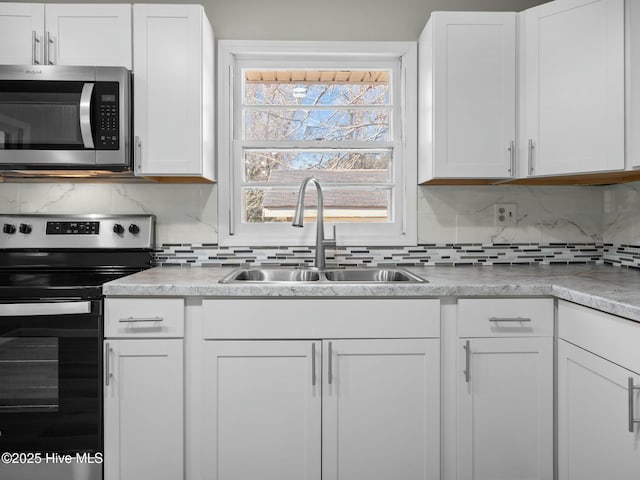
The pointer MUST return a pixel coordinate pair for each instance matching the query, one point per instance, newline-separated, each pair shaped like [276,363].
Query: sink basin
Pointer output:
[306,275]
[272,275]
[378,275]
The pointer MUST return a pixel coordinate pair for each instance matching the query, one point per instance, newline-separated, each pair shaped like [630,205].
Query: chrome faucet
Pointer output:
[298,221]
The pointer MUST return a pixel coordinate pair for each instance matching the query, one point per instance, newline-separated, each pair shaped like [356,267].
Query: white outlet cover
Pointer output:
[505,214]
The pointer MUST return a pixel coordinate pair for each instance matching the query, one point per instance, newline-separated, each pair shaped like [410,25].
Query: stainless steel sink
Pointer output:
[378,275]
[307,275]
[272,275]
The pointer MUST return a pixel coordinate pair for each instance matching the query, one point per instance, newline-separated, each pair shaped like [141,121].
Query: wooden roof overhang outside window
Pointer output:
[317,76]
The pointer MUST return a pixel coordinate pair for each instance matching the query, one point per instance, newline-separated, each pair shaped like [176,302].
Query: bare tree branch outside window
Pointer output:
[334,125]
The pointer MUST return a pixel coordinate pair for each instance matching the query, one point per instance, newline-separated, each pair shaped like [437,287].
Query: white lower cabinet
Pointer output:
[143,410]
[598,395]
[505,409]
[504,389]
[262,414]
[311,409]
[595,409]
[144,385]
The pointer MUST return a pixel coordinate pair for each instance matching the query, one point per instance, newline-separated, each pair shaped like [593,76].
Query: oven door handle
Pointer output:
[85,115]
[43,308]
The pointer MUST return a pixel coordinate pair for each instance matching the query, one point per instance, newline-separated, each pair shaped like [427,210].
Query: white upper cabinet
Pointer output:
[65,34]
[632,83]
[89,34]
[572,88]
[173,101]
[467,96]
[21,31]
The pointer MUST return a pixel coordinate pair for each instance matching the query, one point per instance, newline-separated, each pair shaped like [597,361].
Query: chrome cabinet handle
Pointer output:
[107,369]
[509,319]
[530,156]
[313,364]
[467,370]
[137,153]
[330,366]
[48,41]
[512,157]
[141,319]
[85,115]
[631,391]
[34,51]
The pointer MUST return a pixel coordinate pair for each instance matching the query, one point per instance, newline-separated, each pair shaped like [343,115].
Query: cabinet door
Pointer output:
[474,94]
[89,34]
[574,87]
[143,410]
[381,409]
[262,410]
[167,61]
[594,409]
[505,409]
[21,32]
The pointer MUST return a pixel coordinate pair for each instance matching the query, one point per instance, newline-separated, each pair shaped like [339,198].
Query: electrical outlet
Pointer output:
[505,214]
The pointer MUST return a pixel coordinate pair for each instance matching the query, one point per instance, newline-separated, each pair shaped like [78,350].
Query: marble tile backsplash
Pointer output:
[446,215]
[184,213]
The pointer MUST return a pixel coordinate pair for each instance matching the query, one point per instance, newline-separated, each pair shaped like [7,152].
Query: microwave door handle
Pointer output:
[85,114]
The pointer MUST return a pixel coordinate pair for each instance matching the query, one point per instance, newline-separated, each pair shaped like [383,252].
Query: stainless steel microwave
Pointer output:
[65,118]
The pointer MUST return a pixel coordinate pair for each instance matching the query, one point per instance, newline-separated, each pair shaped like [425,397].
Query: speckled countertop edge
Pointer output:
[603,287]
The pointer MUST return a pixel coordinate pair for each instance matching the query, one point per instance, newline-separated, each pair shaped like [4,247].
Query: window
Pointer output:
[294,110]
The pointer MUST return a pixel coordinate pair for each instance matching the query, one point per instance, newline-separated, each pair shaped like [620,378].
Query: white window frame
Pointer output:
[233,55]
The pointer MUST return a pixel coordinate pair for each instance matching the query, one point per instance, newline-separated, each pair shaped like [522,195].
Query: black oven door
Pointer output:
[50,376]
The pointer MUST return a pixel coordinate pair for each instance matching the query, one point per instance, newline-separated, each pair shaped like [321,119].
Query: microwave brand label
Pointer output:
[33,72]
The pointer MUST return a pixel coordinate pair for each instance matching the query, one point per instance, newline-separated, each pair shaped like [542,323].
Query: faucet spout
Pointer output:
[298,221]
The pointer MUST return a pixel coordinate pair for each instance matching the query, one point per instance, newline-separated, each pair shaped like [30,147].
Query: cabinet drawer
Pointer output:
[144,317]
[320,318]
[505,317]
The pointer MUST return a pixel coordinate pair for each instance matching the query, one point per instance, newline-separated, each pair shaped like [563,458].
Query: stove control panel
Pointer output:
[77,231]
[73,228]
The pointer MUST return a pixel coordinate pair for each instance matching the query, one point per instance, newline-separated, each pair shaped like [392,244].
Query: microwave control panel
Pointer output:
[107,132]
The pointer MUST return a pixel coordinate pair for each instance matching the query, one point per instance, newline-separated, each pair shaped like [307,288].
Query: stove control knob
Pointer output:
[119,229]
[24,228]
[134,229]
[8,228]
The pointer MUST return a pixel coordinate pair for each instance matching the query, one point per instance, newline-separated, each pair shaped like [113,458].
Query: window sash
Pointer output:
[368,57]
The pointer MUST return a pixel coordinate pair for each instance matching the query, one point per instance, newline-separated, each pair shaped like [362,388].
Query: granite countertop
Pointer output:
[603,287]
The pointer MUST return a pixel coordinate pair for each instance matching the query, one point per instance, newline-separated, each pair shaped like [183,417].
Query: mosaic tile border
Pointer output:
[622,255]
[211,255]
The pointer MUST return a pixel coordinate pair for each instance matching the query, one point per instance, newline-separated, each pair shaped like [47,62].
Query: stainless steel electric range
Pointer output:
[52,268]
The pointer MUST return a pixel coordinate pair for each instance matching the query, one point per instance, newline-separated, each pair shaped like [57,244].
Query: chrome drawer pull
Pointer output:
[509,319]
[632,390]
[141,320]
